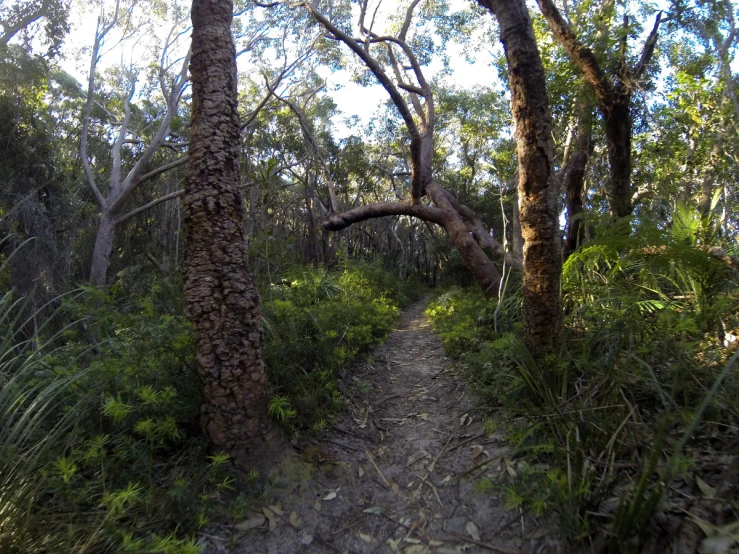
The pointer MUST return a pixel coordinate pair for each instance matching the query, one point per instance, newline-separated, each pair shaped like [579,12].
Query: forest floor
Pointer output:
[397,473]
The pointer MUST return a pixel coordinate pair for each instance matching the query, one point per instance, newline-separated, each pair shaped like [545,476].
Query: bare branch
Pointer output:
[336,222]
[648,51]
[148,206]
[310,139]
[407,22]
[162,169]
[373,66]
[86,114]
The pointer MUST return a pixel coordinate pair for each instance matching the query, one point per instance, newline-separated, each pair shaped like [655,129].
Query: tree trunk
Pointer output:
[517,237]
[542,261]
[617,119]
[221,300]
[574,177]
[103,249]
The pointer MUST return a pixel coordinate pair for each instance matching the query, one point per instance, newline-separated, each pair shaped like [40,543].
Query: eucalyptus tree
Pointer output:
[114,180]
[537,183]
[394,61]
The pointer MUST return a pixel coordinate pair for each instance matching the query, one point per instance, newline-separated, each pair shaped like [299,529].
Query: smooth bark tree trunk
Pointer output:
[103,249]
[221,300]
[574,178]
[542,261]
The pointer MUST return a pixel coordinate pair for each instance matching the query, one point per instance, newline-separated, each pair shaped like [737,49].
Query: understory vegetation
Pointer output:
[638,411]
[99,406]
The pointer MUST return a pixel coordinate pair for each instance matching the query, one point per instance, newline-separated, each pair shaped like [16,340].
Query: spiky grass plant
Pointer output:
[33,423]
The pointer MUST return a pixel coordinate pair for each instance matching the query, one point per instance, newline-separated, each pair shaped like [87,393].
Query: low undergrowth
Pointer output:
[642,395]
[100,445]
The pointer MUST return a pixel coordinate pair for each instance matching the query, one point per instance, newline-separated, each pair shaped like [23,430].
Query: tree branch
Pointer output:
[579,53]
[373,66]
[646,55]
[151,204]
[337,222]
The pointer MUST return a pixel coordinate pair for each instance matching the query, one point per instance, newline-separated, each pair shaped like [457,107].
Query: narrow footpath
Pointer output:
[399,473]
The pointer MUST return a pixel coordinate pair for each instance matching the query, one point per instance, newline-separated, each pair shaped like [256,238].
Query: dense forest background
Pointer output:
[595,310]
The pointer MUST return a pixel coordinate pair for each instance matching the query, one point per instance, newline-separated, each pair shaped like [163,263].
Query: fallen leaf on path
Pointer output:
[707,490]
[373,510]
[277,508]
[394,544]
[367,538]
[251,523]
[331,495]
[473,531]
[416,549]
[463,419]
[476,450]
[424,417]
[317,505]
[307,539]
[270,515]
[295,520]
[445,480]
[436,543]
[396,488]
[409,485]
[361,471]
[511,470]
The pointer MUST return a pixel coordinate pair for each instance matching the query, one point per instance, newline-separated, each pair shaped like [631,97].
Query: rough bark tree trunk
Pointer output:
[542,261]
[617,120]
[221,300]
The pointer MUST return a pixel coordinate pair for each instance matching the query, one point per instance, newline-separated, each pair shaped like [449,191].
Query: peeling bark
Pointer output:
[221,299]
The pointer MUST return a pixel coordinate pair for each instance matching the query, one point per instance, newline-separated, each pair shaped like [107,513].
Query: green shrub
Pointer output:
[646,316]
[100,444]
[316,323]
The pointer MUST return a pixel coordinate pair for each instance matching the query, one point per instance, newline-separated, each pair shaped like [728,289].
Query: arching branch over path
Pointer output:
[402,78]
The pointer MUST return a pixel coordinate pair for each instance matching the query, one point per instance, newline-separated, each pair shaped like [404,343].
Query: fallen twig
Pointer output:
[488,546]
[350,434]
[467,441]
[369,457]
[345,446]
[360,520]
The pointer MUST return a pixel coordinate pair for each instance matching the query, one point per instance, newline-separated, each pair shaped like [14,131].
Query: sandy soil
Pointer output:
[397,473]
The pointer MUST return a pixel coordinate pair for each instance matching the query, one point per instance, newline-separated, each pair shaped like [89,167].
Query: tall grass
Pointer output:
[34,421]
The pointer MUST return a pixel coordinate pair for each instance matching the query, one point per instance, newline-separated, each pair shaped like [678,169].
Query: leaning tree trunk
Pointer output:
[221,300]
[542,262]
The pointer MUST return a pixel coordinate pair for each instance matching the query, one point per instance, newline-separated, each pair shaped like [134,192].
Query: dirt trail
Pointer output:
[397,473]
